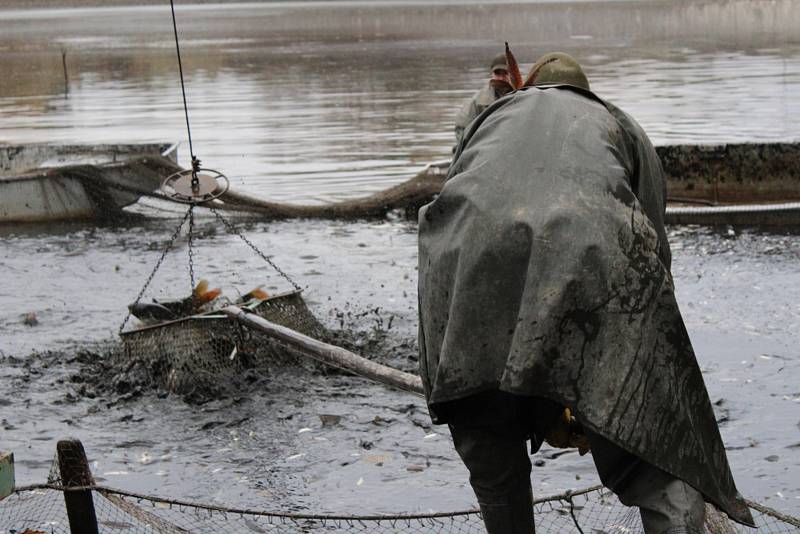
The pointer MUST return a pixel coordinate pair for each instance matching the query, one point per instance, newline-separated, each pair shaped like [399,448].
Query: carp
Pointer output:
[168,310]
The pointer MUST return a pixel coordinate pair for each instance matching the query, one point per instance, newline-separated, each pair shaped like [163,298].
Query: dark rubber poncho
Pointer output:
[544,270]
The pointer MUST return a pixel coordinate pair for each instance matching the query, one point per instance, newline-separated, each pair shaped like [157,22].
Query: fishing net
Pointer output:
[42,508]
[203,354]
[594,510]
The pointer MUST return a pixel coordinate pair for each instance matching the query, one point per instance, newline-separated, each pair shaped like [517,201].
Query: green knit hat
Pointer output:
[557,68]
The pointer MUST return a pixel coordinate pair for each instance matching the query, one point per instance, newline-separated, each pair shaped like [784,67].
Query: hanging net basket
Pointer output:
[206,351]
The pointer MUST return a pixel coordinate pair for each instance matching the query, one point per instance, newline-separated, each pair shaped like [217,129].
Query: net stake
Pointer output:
[75,472]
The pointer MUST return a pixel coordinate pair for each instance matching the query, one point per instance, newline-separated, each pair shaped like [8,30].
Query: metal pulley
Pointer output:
[195,186]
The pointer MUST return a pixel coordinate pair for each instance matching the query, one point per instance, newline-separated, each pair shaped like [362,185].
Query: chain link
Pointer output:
[190,217]
[232,228]
[158,264]
[191,250]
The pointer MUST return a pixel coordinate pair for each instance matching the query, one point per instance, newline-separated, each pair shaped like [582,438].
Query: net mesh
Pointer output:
[205,355]
[594,510]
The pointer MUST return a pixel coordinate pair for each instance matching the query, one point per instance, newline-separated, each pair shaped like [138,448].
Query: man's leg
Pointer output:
[499,472]
[667,505]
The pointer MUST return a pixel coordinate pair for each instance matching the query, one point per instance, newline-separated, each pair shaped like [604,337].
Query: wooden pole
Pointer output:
[66,77]
[75,472]
[329,354]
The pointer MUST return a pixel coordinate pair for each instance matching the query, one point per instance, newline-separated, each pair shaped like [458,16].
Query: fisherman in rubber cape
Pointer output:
[545,284]
[484,97]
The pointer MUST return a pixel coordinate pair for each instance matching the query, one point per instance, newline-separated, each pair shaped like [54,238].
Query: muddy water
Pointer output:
[739,294]
[319,101]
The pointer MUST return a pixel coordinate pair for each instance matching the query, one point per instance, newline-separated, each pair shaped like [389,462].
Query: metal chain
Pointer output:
[191,250]
[233,229]
[172,239]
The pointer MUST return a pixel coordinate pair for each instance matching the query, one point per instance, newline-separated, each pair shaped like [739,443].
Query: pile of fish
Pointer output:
[202,300]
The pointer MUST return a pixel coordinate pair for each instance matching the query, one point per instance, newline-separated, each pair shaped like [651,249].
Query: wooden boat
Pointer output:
[45,182]
[737,184]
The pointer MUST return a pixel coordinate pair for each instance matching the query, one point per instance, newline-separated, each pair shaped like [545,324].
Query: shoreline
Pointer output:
[60,4]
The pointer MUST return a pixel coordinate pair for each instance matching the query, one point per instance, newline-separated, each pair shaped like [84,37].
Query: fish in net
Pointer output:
[204,354]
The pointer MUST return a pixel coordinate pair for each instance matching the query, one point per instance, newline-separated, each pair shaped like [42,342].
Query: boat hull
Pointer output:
[741,173]
[779,214]
[67,182]
[743,184]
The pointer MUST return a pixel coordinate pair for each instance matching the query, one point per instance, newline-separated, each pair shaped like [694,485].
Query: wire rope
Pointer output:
[195,161]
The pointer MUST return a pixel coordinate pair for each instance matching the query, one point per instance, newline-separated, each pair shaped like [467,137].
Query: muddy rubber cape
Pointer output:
[544,270]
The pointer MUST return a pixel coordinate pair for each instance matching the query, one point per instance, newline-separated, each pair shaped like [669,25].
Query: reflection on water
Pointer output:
[321,101]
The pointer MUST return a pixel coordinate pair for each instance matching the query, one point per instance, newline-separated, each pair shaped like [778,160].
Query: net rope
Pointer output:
[40,508]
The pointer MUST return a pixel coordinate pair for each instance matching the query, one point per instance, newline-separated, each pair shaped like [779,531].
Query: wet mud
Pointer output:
[111,372]
[306,438]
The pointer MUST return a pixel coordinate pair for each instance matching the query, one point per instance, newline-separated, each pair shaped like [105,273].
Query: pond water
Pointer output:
[319,101]
[323,101]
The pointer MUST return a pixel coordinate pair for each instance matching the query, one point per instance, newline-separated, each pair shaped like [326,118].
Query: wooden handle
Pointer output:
[329,354]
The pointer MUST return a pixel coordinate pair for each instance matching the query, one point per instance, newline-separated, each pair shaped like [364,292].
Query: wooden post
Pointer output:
[75,472]
[329,354]
[66,76]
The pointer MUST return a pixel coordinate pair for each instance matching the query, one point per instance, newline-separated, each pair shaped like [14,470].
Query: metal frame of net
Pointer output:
[206,351]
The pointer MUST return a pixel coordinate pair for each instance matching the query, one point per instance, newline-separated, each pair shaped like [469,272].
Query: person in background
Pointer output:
[498,72]
[547,310]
